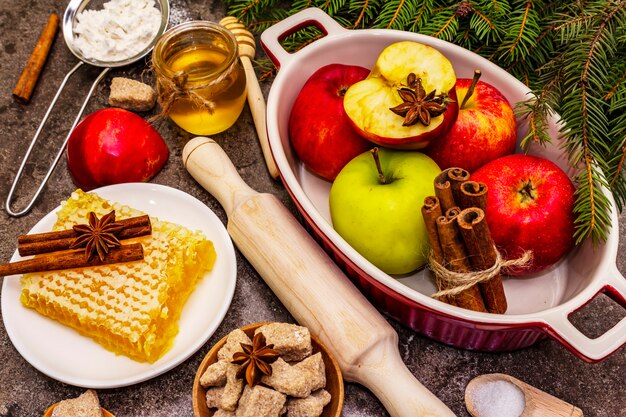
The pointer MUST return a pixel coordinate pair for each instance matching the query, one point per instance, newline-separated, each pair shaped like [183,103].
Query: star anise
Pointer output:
[417,104]
[255,359]
[98,236]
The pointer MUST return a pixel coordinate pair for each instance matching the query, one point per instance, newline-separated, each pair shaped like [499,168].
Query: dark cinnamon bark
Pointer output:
[72,259]
[447,186]
[482,255]
[473,194]
[431,211]
[38,243]
[455,259]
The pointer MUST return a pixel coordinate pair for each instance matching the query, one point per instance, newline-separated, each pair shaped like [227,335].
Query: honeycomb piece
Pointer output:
[131,308]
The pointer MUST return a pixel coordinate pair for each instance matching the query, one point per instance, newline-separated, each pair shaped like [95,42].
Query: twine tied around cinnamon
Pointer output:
[457,282]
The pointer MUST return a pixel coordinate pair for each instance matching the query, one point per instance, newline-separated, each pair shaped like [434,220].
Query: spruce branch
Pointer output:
[570,54]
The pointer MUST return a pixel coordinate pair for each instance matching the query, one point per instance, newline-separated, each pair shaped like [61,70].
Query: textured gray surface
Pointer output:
[598,389]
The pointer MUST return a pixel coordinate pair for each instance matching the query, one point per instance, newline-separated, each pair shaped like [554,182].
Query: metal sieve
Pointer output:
[69,23]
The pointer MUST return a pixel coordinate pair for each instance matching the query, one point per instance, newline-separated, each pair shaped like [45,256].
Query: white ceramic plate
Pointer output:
[63,354]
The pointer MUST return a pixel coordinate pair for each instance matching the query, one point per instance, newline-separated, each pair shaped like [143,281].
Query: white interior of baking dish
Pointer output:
[571,283]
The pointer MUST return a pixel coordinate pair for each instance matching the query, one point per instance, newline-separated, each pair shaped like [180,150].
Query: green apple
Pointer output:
[375,204]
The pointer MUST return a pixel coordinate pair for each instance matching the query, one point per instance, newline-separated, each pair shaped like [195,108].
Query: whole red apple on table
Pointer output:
[530,206]
[319,130]
[112,146]
[380,108]
[485,128]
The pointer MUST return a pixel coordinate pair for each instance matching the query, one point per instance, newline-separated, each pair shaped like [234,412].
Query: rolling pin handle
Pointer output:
[214,171]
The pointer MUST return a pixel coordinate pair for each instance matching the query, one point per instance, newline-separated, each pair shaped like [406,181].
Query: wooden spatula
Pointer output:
[311,286]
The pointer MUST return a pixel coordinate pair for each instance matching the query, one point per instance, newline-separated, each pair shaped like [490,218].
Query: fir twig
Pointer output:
[569,53]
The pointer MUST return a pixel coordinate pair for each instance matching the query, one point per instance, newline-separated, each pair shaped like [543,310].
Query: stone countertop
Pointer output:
[598,389]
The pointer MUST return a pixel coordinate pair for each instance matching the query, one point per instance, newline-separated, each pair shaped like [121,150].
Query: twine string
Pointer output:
[175,87]
[457,282]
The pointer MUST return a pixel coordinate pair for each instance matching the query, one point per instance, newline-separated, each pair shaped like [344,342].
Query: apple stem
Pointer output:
[381,176]
[470,90]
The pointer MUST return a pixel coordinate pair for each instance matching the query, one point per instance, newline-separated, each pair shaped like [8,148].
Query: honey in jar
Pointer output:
[200,80]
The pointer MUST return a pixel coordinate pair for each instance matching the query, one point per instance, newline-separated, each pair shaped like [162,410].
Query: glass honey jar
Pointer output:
[200,80]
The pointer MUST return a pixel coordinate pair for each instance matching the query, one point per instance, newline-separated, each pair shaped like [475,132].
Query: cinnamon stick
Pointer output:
[36,244]
[30,75]
[473,194]
[447,185]
[452,212]
[475,233]
[443,191]
[129,223]
[457,176]
[46,246]
[72,259]
[455,259]
[431,211]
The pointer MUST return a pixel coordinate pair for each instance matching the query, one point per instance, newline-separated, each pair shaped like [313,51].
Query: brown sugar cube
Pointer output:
[260,402]
[313,367]
[131,94]
[232,389]
[297,380]
[224,413]
[233,344]
[215,374]
[292,342]
[85,405]
[311,406]
[213,396]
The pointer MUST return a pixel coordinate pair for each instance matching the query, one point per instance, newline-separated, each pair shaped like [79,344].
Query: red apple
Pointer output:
[530,206]
[112,146]
[405,73]
[485,128]
[319,130]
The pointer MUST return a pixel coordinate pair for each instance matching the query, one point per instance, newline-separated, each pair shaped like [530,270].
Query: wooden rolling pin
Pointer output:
[311,286]
[256,101]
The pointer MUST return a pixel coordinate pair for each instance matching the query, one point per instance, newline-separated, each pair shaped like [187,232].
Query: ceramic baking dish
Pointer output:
[539,305]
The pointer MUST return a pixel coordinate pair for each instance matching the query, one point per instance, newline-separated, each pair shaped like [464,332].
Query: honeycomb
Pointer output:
[132,308]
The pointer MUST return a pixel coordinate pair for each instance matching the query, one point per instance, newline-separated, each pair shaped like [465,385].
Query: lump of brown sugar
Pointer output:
[85,405]
[224,413]
[232,389]
[215,374]
[213,396]
[261,402]
[131,94]
[292,342]
[311,406]
[297,380]
[233,344]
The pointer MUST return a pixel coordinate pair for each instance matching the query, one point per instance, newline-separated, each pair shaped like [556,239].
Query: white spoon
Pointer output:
[502,395]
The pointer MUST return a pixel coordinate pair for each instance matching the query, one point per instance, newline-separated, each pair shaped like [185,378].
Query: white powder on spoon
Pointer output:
[120,30]
[497,399]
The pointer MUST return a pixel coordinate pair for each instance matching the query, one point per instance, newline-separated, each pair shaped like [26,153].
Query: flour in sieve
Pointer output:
[120,30]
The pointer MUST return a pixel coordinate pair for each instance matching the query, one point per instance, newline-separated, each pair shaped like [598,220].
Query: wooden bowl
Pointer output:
[334,380]
[48,411]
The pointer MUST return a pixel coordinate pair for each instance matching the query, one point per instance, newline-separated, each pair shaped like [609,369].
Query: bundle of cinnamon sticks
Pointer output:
[462,250]
[53,249]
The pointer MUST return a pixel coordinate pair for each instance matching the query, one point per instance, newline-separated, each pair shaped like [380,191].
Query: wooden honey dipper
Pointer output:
[247,50]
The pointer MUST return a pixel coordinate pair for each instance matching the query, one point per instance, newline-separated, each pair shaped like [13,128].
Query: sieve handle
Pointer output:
[61,150]
[593,350]
[272,37]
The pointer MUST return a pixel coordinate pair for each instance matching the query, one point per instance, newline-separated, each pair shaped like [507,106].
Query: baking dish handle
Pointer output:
[273,36]
[593,350]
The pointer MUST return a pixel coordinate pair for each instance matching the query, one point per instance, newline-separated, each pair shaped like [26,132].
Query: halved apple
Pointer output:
[379,106]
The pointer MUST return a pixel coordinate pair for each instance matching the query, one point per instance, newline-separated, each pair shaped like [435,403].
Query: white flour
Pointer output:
[120,30]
